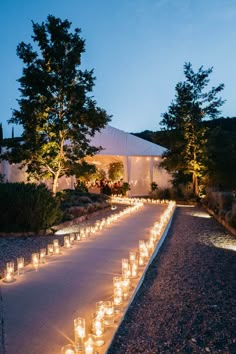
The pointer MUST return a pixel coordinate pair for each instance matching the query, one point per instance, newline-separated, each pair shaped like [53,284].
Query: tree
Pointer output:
[187,156]
[56,109]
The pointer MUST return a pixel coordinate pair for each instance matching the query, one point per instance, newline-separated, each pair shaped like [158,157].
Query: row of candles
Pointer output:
[122,200]
[106,311]
[54,248]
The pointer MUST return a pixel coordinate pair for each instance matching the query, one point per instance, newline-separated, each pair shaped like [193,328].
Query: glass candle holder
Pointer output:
[57,250]
[72,238]
[50,249]
[126,286]
[68,349]
[109,313]
[118,298]
[67,243]
[100,309]
[78,237]
[20,265]
[55,243]
[89,345]
[9,273]
[42,255]
[35,260]
[98,330]
[79,333]
[117,282]
[132,256]
[134,269]
[125,265]
[10,267]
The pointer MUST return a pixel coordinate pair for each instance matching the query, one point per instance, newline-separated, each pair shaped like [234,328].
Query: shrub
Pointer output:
[27,207]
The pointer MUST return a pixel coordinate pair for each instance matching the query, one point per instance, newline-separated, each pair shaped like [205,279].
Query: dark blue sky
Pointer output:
[136,47]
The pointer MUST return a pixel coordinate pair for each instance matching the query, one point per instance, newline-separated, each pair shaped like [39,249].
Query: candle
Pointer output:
[8,276]
[79,332]
[125,267]
[72,238]
[100,309]
[50,249]
[98,330]
[132,256]
[35,260]
[89,345]
[68,349]
[55,243]
[20,265]
[42,255]
[67,243]
[109,313]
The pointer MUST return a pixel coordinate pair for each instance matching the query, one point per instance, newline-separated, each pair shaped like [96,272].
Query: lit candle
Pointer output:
[98,330]
[126,286]
[89,345]
[79,332]
[132,256]
[55,243]
[20,265]
[35,260]
[100,309]
[125,267]
[68,349]
[109,313]
[67,243]
[57,250]
[42,255]
[9,273]
[72,238]
[50,249]
[78,237]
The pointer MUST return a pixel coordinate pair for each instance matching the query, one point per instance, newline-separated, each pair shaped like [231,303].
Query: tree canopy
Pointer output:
[187,157]
[56,110]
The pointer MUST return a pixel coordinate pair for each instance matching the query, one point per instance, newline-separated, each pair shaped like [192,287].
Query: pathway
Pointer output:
[39,309]
[187,303]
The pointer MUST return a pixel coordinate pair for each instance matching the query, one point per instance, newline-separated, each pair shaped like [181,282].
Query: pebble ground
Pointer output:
[187,303]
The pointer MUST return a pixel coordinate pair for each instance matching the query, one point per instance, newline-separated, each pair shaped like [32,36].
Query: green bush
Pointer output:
[27,207]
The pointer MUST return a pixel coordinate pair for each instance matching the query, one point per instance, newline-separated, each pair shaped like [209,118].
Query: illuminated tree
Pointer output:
[56,109]
[187,156]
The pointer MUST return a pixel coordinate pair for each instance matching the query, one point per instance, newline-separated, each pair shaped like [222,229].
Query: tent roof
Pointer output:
[117,142]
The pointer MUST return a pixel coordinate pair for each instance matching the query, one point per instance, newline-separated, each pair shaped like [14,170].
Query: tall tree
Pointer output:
[56,109]
[187,156]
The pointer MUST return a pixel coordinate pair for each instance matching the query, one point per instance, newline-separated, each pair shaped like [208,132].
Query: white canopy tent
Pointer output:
[141,160]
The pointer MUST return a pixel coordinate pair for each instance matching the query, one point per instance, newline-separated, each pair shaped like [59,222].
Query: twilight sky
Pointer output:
[136,47]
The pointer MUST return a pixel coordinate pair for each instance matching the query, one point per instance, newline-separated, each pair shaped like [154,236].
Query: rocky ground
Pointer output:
[187,303]
[23,246]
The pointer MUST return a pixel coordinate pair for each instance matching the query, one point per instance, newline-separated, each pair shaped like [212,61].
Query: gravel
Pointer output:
[187,301]
[23,246]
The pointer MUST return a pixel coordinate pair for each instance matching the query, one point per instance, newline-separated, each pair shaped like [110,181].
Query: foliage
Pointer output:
[187,154]
[116,171]
[154,186]
[27,207]
[58,114]
[125,188]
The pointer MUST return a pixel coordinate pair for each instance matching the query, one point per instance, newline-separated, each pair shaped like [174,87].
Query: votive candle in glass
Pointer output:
[9,272]
[50,249]
[79,332]
[35,260]
[42,255]
[109,313]
[68,349]
[125,267]
[72,238]
[20,265]
[89,345]
[98,330]
[100,309]
[67,243]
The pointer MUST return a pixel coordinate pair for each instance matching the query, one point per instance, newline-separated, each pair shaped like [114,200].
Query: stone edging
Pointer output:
[222,222]
[141,280]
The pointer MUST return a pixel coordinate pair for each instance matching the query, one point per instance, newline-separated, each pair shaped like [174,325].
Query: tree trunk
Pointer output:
[55,181]
[195,185]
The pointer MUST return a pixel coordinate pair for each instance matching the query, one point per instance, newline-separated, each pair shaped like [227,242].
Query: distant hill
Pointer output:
[163,138]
